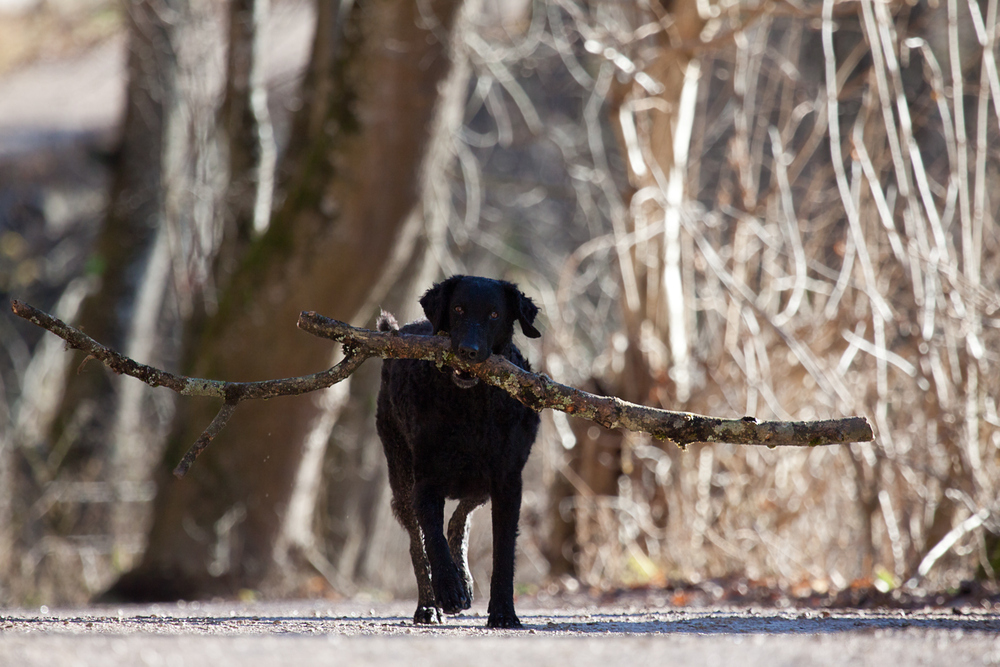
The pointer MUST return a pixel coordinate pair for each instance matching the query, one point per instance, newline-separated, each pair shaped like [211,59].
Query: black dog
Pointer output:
[447,435]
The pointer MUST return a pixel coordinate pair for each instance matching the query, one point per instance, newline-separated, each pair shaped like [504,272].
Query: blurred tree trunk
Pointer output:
[343,229]
[247,135]
[103,429]
[645,119]
[644,114]
[124,250]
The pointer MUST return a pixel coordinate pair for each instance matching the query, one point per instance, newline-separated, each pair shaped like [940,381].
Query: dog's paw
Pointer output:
[454,601]
[451,593]
[427,616]
[504,619]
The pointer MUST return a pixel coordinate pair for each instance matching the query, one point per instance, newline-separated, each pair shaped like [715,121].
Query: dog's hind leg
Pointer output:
[458,538]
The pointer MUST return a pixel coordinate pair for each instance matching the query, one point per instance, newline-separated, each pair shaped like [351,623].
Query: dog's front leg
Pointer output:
[427,612]
[506,507]
[449,588]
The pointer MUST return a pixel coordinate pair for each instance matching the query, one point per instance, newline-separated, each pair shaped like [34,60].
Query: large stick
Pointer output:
[232,393]
[539,392]
[536,391]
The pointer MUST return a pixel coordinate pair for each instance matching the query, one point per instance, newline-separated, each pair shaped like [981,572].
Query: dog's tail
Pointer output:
[386,322]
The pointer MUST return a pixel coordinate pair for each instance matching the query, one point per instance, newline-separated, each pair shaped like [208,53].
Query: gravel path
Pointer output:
[356,633]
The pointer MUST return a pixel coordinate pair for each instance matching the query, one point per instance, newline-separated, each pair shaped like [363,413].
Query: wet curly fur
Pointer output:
[447,435]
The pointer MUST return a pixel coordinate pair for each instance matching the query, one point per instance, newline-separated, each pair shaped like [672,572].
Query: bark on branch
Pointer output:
[537,391]
[232,393]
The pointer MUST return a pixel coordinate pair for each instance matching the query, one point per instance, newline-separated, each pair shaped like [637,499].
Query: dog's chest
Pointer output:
[459,439]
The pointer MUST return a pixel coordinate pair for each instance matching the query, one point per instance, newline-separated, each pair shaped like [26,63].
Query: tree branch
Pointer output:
[206,438]
[540,391]
[231,392]
[536,391]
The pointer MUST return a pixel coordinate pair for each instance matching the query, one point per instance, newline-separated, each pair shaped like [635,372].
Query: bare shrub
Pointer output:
[814,269]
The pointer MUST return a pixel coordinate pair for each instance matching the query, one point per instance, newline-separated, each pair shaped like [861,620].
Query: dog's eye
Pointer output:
[494,315]
[459,310]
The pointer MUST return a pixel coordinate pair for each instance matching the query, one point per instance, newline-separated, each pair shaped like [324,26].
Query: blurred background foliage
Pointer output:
[770,208]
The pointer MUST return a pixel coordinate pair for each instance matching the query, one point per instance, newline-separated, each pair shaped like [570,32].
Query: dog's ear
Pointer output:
[524,308]
[435,303]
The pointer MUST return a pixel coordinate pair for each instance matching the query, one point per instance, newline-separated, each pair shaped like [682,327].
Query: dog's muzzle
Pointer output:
[464,380]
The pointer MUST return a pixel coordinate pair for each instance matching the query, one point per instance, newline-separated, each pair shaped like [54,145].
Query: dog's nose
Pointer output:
[468,352]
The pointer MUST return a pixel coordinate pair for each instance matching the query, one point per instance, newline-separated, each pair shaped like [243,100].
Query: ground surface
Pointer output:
[355,633]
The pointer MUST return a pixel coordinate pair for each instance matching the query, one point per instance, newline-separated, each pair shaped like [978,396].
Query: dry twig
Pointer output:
[534,390]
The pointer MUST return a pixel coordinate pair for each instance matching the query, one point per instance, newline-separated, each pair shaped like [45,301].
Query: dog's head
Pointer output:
[479,315]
